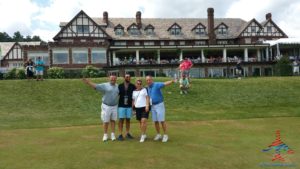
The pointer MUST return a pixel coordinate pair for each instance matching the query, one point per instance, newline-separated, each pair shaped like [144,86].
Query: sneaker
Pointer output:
[105,137]
[143,138]
[165,138]
[185,92]
[113,137]
[181,92]
[120,138]
[157,137]
[129,136]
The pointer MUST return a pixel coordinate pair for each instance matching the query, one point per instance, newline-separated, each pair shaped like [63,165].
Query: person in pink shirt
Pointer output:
[185,67]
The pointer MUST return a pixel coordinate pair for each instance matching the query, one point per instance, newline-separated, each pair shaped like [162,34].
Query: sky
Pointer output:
[42,17]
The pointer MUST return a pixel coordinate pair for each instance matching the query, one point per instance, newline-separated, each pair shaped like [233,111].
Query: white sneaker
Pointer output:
[143,138]
[113,137]
[181,92]
[157,137]
[165,138]
[105,137]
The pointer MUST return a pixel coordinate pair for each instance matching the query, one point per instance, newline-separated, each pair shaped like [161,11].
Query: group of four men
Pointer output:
[120,100]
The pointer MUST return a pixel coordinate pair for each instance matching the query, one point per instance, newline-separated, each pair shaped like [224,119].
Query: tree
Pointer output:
[284,67]
[4,37]
[18,37]
[36,38]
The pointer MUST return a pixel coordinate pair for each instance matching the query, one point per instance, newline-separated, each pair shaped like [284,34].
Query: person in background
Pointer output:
[29,65]
[239,69]
[296,67]
[184,85]
[39,69]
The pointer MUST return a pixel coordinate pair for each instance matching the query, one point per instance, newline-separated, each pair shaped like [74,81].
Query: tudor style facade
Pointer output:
[141,46]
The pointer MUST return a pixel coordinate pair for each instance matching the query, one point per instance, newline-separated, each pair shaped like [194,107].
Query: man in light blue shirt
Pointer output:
[109,106]
[39,69]
[157,106]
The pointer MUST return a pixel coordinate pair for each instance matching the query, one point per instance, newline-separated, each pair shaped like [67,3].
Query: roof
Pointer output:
[161,25]
[284,41]
[6,46]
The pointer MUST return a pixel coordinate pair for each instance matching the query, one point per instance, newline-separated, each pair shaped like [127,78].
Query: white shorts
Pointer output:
[296,69]
[158,112]
[108,113]
[39,72]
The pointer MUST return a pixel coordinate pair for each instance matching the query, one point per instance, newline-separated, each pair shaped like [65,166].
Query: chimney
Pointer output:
[139,19]
[105,17]
[268,16]
[211,26]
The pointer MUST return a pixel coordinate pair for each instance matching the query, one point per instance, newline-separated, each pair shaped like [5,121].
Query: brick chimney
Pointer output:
[139,19]
[268,16]
[105,17]
[211,26]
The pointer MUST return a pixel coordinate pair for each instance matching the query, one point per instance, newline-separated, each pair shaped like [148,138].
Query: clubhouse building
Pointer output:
[141,46]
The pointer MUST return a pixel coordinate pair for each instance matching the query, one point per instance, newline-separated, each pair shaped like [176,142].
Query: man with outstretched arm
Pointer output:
[157,106]
[109,106]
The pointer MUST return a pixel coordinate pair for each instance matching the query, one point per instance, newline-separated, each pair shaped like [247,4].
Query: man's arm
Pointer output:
[88,82]
[167,83]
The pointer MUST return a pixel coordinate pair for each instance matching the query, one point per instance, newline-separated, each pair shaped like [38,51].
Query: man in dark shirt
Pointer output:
[125,106]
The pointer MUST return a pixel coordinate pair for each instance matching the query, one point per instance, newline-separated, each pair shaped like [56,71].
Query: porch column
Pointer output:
[246,58]
[158,56]
[271,53]
[267,54]
[114,58]
[137,56]
[202,56]
[224,55]
[258,55]
[181,55]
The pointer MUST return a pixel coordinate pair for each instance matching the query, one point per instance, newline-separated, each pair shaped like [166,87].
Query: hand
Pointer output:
[85,80]
[147,109]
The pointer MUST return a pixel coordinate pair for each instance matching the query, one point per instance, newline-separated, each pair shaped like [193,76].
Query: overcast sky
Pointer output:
[42,17]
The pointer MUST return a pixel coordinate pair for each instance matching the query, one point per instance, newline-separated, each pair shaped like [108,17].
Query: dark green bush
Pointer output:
[20,73]
[284,67]
[90,72]
[56,73]
[11,74]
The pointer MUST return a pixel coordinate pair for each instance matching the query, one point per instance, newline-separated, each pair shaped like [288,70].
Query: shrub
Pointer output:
[11,74]
[90,71]
[56,73]
[284,67]
[20,73]
[1,76]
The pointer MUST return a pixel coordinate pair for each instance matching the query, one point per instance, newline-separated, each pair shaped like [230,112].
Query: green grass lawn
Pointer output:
[221,123]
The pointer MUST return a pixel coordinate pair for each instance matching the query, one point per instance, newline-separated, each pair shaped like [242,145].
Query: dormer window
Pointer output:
[199,29]
[133,30]
[222,29]
[175,29]
[269,29]
[119,30]
[149,30]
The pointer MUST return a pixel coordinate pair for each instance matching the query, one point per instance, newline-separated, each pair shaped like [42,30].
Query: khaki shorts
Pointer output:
[109,113]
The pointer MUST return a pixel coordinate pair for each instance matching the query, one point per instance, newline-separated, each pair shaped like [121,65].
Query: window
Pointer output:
[150,43]
[80,56]
[162,43]
[137,44]
[119,31]
[222,30]
[175,30]
[98,56]
[133,30]
[200,43]
[171,43]
[34,56]
[253,29]
[149,31]
[61,57]
[182,42]
[199,29]
[122,43]
[269,29]
[222,42]
[83,29]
